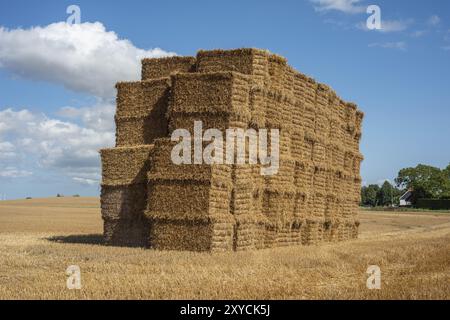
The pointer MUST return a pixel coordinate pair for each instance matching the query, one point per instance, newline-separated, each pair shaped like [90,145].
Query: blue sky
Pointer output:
[57,95]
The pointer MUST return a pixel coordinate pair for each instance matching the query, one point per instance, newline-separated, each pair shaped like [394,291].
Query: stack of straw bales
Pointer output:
[149,201]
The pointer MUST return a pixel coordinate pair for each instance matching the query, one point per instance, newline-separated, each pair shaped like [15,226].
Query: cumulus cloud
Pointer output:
[12,172]
[82,57]
[346,6]
[7,150]
[99,117]
[56,144]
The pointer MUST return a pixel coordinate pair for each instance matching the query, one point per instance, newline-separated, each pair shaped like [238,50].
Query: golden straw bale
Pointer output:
[214,93]
[191,235]
[126,232]
[141,111]
[277,71]
[125,165]
[187,200]
[153,68]
[123,201]
[246,61]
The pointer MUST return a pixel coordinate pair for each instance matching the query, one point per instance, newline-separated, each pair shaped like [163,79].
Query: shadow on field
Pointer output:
[96,239]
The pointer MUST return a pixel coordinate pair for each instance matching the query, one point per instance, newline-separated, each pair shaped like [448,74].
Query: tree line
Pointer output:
[424,182]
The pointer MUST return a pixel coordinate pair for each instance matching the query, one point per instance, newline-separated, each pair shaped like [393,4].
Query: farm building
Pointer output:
[149,201]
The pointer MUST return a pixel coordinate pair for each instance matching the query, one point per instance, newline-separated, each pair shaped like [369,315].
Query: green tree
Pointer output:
[425,181]
[369,195]
[446,193]
[386,194]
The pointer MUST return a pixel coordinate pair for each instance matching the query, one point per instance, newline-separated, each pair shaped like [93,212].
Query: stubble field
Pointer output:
[40,238]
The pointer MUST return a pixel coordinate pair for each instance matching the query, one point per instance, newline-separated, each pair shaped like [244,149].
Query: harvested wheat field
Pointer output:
[40,238]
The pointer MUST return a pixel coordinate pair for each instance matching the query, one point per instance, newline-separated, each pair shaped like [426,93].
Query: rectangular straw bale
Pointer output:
[257,102]
[350,116]
[338,156]
[288,85]
[279,109]
[335,131]
[284,237]
[187,200]
[319,153]
[216,93]
[246,196]
[303,176]
[320,179]
[141,111]
[300,207]
[153,68]
[270,236]
[359,116]
[312,232]
[126,232]
[298,111]
[123,201]
[297,140]
[125,165]
[278,207]
[309,118]
[356,166]
[163,167]
[209,121]
[323,95]
[355,141]
[322,127]
[191,235]
[284,179]
[277,71]
[135,131]
[296,234]
[307,149]
[246,61]
[310,91]
[300,86]
[143,98]
[348,161]
[249,232]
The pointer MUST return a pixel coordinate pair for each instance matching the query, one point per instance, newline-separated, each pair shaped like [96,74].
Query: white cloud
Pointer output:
[389,25]
[85,181]
[82,57]
[99,117]
[56,144]
[12,172]
[346,6]
[434,20]
[7,150]
[400,45]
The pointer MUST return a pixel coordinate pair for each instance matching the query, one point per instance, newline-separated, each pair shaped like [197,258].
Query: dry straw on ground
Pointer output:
[147,200]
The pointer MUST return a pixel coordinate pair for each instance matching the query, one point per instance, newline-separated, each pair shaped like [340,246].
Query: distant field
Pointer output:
[39,238]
